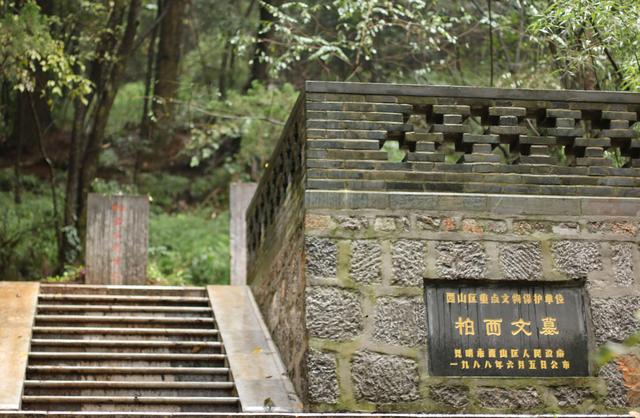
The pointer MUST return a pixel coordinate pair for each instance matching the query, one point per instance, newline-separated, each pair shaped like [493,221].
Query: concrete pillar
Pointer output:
[240,195]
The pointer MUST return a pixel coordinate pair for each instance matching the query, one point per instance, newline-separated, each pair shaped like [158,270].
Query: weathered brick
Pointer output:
[472,226]
[312,221]
[428,223]
[352,223]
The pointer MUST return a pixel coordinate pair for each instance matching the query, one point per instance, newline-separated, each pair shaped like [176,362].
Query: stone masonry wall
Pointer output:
[365,310]
[495,184]
[275,241]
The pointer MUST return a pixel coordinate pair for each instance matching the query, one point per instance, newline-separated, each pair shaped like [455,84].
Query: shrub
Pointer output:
[28,249]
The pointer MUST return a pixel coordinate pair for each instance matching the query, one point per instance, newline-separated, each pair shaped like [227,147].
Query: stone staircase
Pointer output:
[127,348]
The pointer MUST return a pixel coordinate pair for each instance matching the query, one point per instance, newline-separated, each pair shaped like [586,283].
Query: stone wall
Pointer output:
[275,240]
[493,185]
[366,310]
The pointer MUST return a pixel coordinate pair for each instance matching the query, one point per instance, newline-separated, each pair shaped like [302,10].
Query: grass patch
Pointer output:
[189,248]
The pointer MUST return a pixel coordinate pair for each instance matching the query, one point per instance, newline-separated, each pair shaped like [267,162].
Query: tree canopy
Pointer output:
[176,98]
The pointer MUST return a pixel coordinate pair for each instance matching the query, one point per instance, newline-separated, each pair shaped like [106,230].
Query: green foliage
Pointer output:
[71,273]
[28,47]
[600,36]
[127,108]
[164,190]
[27,237]
[356,32]
[256,119]
[394,153]
[189,248]
[105,186]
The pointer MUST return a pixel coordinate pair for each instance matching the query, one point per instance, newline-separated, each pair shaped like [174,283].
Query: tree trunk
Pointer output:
[168,60]
[89,168]
[145,121]
[67,252]
[259,68]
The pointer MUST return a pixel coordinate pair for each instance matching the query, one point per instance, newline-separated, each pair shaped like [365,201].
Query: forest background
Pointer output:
[177,98]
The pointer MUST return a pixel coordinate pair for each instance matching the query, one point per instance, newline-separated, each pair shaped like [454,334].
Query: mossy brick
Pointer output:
[362,144]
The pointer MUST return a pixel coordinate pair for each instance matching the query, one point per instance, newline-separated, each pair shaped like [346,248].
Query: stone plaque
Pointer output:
[506,330]
[117,236]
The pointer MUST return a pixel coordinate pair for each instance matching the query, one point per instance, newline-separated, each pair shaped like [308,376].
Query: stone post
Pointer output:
[117,239]
[240,198]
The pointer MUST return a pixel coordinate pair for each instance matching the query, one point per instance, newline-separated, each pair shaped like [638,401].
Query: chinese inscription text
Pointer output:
[506,330]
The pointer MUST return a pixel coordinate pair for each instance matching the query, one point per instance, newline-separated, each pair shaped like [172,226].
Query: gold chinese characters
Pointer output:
[513,353]
[510,358]
[504,298]
[493,327]
[512,364]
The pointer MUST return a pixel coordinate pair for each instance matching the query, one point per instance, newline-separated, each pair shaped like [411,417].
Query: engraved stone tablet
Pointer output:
[506,330]
[117,236]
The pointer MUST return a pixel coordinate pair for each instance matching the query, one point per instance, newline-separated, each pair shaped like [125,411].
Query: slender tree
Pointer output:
[168,60]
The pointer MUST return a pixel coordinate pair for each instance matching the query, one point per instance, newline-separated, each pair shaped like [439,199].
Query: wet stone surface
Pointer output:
[449,395]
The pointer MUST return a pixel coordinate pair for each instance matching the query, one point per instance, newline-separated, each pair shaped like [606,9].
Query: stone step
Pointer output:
[125,299]
[189,291]
[136,384]
[127,370]
[127,388]
[84,356]
[125,309]
[40,342]
[127,392]
[90,319]
[170,400]
[60,331]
